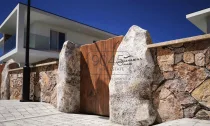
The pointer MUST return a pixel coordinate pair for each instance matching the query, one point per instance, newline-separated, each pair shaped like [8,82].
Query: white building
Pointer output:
[201,19]
[47,34]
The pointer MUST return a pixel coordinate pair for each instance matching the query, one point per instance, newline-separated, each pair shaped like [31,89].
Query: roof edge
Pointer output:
[207,10]
[70,19]
[10,14]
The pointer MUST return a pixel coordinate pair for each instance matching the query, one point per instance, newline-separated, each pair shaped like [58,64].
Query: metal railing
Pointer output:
[37,42]
[1,49]
[40,42]
[8,45]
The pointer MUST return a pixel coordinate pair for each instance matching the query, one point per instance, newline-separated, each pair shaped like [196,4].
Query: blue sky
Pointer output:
[164,19]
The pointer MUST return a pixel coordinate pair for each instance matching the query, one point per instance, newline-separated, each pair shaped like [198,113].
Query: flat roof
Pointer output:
[199,19]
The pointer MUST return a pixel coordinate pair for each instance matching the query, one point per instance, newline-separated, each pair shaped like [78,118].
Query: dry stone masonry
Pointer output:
[130,88]
[16,81]
[42,83]
[184,92]
[68,81]
[45,90]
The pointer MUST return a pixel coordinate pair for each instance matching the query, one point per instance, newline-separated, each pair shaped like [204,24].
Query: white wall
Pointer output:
[33,28]
[42,29]
[20,27]
[76,37]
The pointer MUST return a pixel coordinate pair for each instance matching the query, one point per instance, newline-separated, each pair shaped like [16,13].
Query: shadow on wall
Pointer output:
[94,92]
[96,68]
[87,91]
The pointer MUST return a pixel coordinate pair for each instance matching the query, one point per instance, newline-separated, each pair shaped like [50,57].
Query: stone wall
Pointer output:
[43,83]
[182,86]
[5,87]
[175,85]
[15,82]
[1,69]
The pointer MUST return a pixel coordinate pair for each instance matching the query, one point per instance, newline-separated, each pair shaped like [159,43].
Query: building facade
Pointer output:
[201,19]
[47,34]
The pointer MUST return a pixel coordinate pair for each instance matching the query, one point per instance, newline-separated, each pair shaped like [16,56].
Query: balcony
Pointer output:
[8,45]
[42,43]
[37,42]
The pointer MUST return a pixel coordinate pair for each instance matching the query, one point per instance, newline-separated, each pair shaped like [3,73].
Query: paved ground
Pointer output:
[186,122]
[15,113]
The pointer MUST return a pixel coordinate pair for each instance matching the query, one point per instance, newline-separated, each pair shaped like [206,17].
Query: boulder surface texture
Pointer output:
[5,85]
[68,80]
[130,85]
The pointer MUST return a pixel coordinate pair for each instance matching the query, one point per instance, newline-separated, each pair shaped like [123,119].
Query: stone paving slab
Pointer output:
[12,109]
[15,113]
[61,120]
[186,122]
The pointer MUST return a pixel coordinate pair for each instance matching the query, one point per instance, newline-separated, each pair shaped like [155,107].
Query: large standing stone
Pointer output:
[5,86]
[130,92]
[68,81]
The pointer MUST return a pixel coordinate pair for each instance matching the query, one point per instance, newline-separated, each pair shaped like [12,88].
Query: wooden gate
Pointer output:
[96,70]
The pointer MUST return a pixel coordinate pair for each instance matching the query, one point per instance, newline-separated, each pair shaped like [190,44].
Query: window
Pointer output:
[56,40]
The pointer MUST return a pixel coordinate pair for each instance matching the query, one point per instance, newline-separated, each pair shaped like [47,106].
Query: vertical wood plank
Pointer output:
[96,69]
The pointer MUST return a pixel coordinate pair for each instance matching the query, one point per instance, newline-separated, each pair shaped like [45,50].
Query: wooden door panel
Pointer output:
[96,69]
